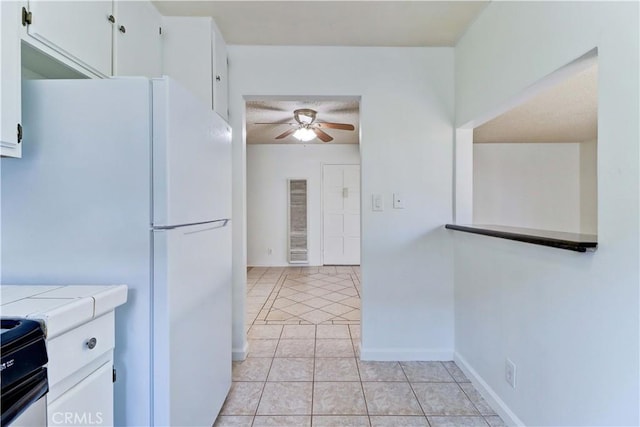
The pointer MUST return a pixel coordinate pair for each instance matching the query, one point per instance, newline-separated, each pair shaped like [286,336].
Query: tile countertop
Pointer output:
[60,307]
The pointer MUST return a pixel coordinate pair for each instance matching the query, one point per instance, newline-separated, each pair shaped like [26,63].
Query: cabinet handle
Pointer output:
[218,78]
[111,19]
[91,344]
[122,29]
[19,133]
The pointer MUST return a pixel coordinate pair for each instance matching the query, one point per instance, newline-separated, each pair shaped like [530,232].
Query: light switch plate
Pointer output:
[377,203]
[398,201]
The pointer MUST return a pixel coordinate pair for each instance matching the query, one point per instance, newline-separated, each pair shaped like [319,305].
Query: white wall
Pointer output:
[268,168]
[535,185]
[406,146]
[589,187]
[568,320]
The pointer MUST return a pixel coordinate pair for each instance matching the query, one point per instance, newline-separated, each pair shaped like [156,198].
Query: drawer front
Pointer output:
[89,403]
[75,349]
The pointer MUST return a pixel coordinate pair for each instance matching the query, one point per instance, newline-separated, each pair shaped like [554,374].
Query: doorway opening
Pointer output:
[303,249]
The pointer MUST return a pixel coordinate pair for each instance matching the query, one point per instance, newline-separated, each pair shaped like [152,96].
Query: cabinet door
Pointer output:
[90,402]
[10,105]
[137,39]
[79,30]
[220,72]
[187,54]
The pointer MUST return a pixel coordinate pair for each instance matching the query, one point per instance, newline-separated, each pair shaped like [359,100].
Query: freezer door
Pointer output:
[192,324]
[191,158]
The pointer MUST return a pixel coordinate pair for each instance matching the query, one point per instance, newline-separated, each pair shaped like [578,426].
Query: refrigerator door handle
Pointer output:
[223,221]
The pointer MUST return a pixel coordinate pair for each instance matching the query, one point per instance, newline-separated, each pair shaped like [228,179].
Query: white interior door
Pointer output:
[341,214]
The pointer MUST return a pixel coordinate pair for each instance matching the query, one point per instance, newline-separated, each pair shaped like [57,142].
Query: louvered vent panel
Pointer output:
[298,253]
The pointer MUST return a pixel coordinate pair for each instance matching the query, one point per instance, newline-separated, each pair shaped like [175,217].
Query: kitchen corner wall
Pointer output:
[569,321]
[589,187]
[268,168]
[406,146]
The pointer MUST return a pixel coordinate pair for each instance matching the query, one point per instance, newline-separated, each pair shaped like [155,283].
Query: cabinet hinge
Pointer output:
[19,133]
[114,375]
[27,17]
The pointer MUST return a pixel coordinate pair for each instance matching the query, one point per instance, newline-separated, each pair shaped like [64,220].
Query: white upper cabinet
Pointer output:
[137,39]
[194,53]
[80,39]
[186,54]
[220,73]
[80,30]
[10,106]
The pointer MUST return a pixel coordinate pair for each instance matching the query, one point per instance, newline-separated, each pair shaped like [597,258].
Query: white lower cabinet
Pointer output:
[79,322]
[81,347]
[90,402]
[80,373]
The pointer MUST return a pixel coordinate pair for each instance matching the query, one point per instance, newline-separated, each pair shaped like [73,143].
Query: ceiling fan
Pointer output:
[307,128]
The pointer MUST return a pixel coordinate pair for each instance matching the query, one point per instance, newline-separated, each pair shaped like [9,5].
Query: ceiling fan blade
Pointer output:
[325,137]
[286,134]
[280,122]
[345,109]
[274,123]
[343,126]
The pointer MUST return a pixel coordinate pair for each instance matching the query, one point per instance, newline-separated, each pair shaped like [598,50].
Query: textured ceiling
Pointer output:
[334,23]
[566,112]
[280,112]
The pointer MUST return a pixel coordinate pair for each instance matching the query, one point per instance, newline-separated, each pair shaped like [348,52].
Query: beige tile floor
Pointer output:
[305,374]
[303,296]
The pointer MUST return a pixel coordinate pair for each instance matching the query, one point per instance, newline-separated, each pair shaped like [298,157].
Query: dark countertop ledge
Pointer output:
[555,239]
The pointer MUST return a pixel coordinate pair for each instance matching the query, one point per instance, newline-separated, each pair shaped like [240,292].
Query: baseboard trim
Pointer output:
[405,354]
[492,398]
[283,265]
[240,354]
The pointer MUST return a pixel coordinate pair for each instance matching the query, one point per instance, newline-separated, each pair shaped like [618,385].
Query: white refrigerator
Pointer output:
[128,181]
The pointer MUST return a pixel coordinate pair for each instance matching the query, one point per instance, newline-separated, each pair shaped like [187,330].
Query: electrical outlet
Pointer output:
[510,373]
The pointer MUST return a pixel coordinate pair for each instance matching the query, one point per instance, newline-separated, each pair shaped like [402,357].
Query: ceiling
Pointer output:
[334,23]
[280,112]
[566,112]
[326,23]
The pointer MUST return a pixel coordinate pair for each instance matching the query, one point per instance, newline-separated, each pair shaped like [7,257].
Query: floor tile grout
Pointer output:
[323,335]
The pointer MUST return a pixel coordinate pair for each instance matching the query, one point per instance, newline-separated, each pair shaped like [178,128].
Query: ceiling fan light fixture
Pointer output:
[304,116]
[304,134]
